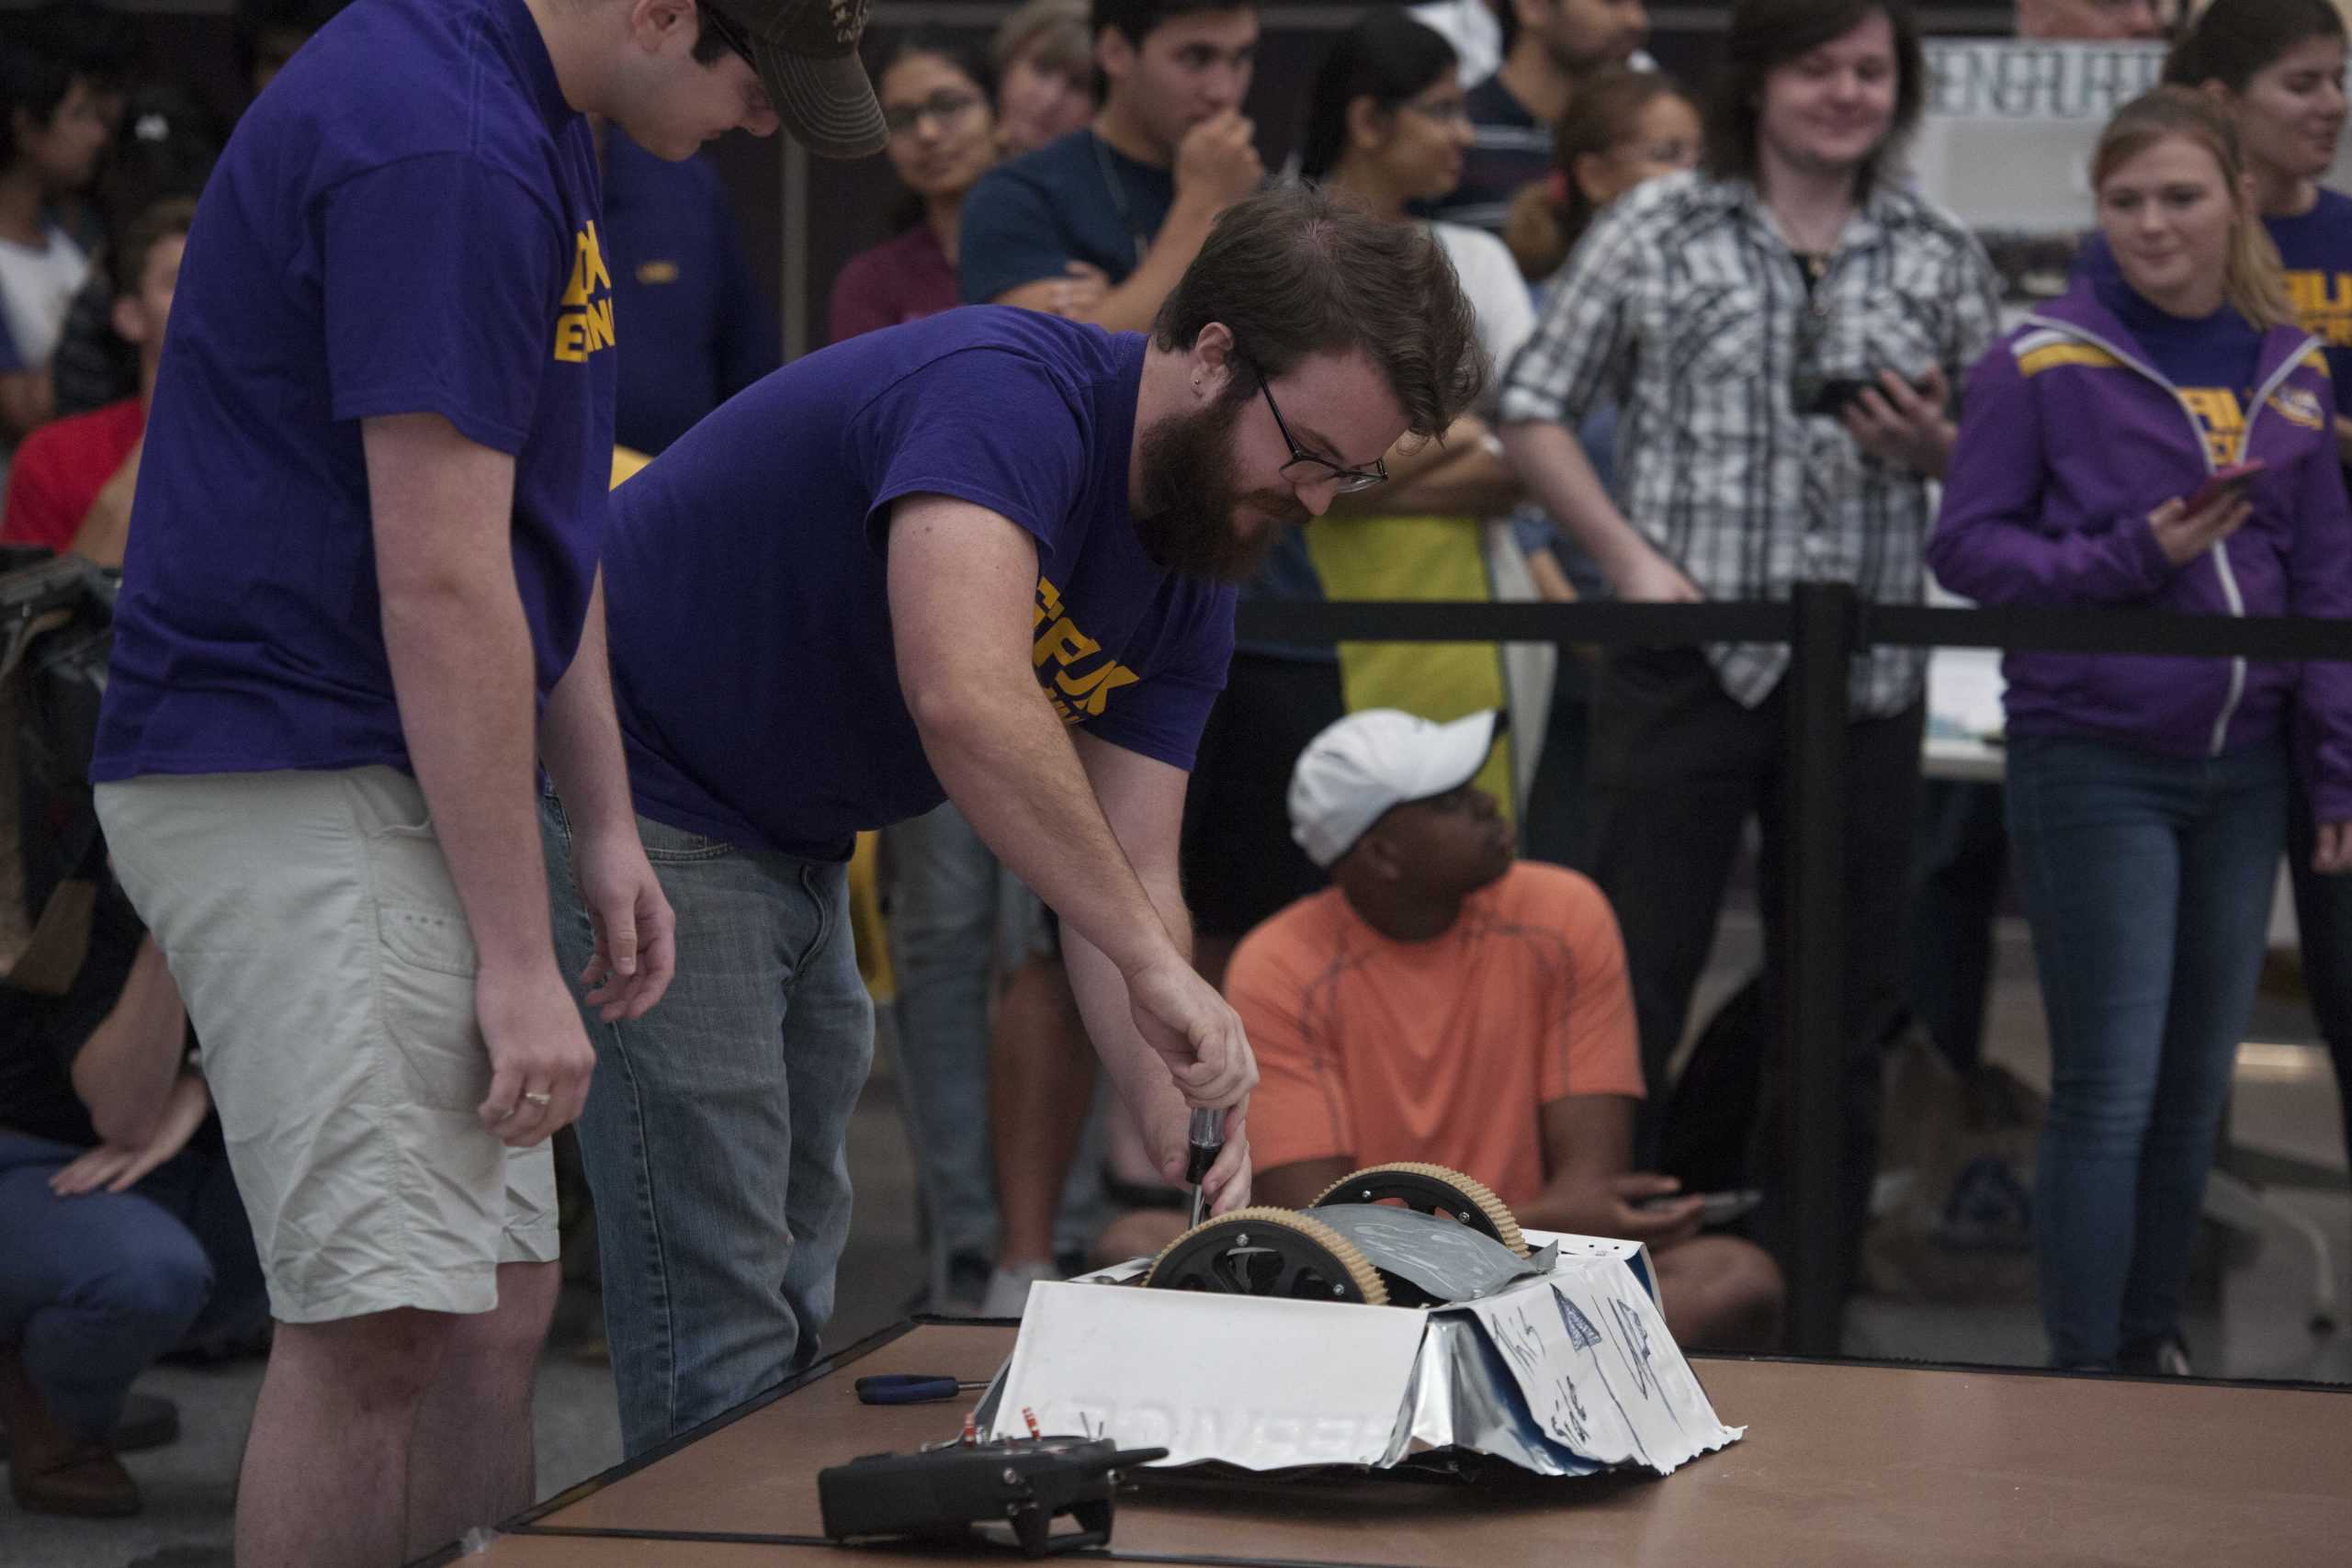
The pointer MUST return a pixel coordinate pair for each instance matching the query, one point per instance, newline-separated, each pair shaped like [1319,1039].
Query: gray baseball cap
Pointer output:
[806,53]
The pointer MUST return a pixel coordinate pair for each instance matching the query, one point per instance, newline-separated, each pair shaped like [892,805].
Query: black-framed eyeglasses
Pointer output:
[1305,467]
[1447,112]
[944,107]
[734,37]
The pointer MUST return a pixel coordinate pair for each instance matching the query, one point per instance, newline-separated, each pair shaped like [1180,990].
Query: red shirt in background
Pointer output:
[60,469]
[903,280]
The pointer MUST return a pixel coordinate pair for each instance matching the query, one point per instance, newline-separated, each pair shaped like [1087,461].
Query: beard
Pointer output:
[1187,524]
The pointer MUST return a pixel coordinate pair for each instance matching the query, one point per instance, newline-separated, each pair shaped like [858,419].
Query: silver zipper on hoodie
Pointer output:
[2220,552]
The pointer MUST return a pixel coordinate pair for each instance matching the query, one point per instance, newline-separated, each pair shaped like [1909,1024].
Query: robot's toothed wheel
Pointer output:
[1268,1252]
[1432,1189]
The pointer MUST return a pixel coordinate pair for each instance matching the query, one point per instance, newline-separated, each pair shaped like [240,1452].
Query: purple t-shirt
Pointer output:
[2213,359]
[406,222]
[745,590]
[2316,247]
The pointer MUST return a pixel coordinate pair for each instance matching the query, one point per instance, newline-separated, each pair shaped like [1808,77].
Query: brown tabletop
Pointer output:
[1842,1464]
[617,1552]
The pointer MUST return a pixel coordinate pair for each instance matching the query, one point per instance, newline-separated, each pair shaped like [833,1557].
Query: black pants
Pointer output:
[2323,918]
[1240,862]
[1557,828]
[1961,864]
[1678,768]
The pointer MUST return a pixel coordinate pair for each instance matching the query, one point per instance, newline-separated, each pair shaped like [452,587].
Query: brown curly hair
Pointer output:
[1294,272]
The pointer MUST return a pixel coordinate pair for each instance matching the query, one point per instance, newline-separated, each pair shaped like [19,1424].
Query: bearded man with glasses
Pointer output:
[987,556]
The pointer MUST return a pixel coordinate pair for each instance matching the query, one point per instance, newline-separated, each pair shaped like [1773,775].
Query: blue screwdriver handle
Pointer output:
[909,1388]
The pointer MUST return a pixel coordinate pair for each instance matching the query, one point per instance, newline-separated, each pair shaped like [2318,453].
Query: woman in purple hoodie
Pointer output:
[2148,794]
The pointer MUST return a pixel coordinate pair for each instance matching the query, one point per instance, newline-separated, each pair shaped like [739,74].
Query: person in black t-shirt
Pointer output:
[1128,201]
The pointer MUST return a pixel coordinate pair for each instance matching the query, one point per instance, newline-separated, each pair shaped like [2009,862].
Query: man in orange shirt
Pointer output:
[1444,1001]
[71,485]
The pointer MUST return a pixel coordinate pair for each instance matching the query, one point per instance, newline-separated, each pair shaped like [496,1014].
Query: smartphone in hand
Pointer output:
[2236,479]
[1832,397]
[1714,1208]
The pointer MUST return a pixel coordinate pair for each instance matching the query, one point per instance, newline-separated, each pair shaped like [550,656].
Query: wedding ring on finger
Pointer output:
[539,1097]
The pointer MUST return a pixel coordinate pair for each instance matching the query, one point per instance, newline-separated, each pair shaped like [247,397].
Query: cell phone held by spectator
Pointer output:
[1831,396]
[2233,480]
[1715,1209]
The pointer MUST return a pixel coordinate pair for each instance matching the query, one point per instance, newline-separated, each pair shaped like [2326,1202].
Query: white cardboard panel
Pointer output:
[1271,1384]
[1599,1370]
[1263,1384]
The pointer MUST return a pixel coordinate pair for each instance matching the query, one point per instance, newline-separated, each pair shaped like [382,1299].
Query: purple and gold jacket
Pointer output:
[2069,437]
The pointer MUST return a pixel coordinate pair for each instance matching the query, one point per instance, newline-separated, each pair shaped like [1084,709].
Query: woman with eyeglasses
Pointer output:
[934,94]
[1386,127]
[2162,437]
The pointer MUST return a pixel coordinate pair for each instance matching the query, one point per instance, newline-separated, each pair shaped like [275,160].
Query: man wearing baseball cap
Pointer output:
[806,54]
[1444,1001]
[364,554]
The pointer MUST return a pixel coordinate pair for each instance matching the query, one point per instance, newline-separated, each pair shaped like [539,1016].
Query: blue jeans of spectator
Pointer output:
[715,1129]
[2148,882]
[950,906]
[94,1288]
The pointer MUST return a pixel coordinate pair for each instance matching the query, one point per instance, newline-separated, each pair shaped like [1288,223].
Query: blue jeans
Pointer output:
[949,920]
[715,1128]
[2148,882]
[93,1289]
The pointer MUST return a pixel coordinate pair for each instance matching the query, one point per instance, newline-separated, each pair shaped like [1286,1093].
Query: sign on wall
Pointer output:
[2006,140]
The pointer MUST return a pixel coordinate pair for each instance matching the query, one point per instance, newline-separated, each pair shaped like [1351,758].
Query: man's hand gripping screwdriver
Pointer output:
[1203,1142]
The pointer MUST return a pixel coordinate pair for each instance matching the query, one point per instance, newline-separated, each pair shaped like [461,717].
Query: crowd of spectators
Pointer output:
[1462,897]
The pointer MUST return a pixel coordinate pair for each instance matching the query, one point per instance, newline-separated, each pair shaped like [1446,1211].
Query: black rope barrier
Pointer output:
[1433,620]
[1610,622]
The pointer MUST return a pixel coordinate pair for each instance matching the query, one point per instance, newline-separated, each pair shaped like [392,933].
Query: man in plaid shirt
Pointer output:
[1783,328]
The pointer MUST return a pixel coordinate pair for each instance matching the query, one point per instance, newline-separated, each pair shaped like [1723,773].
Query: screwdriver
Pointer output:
[912,1388]
[1204,1143]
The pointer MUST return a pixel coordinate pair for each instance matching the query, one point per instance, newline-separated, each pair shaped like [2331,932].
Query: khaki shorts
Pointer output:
[326,963]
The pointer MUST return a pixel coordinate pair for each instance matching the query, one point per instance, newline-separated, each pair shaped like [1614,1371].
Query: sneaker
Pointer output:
[2168,1358]
[1008,1291]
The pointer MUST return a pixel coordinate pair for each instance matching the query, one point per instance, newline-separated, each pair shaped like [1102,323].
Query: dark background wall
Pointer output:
[830,210]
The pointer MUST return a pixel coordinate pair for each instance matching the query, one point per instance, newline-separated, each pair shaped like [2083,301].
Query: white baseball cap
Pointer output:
[1352,772]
